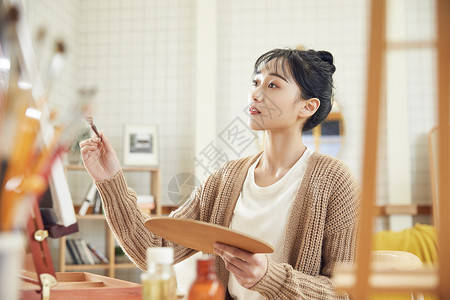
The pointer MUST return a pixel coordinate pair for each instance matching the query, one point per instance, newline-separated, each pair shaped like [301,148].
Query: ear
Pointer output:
[310,106]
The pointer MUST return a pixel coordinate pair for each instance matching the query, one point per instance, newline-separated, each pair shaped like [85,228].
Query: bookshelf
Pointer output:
[155,191]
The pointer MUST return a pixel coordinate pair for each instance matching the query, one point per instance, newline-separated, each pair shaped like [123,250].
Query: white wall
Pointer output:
[248,29]
[60,20]
[141,57]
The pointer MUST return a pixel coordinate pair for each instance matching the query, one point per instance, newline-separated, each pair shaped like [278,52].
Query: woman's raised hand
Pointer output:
[99,158]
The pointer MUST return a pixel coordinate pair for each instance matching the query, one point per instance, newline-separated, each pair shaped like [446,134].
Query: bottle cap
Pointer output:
[160,255]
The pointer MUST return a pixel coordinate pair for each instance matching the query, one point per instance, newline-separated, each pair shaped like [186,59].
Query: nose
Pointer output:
[257,94]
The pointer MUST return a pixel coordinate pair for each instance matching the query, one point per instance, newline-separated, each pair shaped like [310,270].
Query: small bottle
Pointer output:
[206,286]
[159,281]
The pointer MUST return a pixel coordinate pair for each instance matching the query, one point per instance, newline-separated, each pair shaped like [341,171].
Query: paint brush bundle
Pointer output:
[31,139]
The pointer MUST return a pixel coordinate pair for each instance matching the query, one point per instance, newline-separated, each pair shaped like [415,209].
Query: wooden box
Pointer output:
[81,286]
[40,281]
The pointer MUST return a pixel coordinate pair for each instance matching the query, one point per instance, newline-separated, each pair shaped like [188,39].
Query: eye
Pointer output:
[272,85]
[255,82]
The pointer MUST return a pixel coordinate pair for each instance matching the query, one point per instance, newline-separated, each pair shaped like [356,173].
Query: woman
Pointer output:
[303,203]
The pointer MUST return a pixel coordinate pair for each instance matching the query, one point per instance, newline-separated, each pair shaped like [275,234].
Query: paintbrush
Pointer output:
[90,120]
[57,62]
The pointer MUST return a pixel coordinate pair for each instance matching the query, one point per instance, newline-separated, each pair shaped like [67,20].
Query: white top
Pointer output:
[269,208]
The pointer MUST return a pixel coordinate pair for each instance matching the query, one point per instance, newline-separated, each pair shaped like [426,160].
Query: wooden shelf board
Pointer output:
[87,267]
[402,45]
[124,168]
[424,279]
[407,209]
[91,217]
[101,266]
[125,266]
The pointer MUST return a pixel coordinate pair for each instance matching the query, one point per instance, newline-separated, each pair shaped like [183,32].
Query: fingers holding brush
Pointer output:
[90,120]
[92,144]
[99,158]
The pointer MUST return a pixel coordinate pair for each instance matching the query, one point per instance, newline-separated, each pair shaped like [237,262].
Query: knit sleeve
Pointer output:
[126,220]
[282,281]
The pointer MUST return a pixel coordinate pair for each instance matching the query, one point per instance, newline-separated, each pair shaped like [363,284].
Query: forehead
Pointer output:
[278,65]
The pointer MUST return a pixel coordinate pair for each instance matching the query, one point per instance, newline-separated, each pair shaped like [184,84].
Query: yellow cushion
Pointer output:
[420,240]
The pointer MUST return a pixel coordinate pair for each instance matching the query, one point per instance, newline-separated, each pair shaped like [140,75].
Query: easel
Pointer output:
[355,279]
[37,241]
[40,280]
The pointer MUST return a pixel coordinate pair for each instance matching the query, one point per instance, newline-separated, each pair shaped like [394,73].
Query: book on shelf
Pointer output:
[80,251]
[89,199]
[97,207]
[83,253]
[87,253]
[99,255]
[73,251]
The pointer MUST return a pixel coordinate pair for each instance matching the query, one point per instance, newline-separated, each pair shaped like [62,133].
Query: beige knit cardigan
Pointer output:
[321,229]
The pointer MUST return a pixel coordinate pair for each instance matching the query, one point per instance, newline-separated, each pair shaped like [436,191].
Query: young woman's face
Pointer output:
[273,100]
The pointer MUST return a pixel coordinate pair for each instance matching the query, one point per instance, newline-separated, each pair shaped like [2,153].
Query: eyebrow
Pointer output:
[279,76]
[274,74]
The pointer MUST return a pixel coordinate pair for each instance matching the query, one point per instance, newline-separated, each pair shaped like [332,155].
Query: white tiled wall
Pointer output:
[60,21]
[248,29]
[140,56]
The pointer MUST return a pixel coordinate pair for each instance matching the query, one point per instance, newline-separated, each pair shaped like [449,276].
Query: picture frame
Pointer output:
[140,145]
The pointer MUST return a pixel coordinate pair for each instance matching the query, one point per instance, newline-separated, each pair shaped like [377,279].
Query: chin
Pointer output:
[255,125]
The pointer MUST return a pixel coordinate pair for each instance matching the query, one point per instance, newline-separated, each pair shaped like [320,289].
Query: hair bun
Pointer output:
[327,57]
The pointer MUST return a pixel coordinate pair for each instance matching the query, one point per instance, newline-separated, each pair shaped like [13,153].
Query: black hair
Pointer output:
[312,71]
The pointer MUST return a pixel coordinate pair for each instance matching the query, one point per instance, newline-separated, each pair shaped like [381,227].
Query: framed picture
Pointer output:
[140,145]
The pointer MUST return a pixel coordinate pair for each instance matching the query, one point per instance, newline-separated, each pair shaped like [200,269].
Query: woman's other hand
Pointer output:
[99,158]
[248,268]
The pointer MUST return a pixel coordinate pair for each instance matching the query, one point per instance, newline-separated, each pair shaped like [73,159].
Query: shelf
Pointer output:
[155,190]
[100,266]
[99,216]
[388,280]
[406,209]
[86,267]
[125,266]
[124,168]
[91,217]
[154,184]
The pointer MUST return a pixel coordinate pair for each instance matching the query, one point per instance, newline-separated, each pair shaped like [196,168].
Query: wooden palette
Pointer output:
[202,236]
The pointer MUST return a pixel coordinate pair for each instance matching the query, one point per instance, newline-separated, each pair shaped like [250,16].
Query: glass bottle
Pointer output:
[206,286]
[159,281]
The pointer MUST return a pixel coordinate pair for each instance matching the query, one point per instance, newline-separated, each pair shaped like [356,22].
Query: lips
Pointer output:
[253,110]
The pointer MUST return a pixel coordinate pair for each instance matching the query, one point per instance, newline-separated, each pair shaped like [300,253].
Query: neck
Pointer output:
[281,150]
